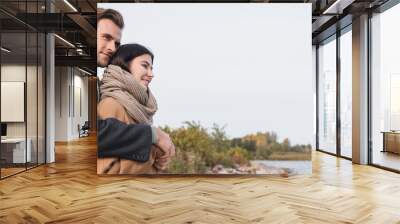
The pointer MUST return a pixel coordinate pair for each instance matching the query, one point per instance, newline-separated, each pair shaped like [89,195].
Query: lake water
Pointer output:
[296,166]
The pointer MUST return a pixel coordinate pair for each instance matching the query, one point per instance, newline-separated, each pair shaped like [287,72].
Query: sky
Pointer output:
[247,67]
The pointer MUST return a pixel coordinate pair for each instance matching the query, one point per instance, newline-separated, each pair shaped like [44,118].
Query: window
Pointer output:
[385,89]
[327,96]
[22,75]
[346,93]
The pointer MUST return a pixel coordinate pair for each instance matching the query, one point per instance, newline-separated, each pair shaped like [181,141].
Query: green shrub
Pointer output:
[239,155]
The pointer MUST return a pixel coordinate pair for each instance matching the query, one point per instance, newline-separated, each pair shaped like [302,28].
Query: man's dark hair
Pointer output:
[112,15]
[126,53]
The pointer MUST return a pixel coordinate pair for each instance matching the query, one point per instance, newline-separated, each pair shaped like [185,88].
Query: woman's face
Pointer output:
[141,68]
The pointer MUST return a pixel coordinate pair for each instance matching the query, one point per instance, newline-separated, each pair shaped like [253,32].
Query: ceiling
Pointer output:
[74,22]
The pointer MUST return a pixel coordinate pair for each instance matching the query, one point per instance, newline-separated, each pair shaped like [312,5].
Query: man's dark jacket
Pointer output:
[126,141]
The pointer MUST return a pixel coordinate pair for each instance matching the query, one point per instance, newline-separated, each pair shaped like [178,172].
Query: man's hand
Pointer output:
[162,164]
[165,144]
[166,150]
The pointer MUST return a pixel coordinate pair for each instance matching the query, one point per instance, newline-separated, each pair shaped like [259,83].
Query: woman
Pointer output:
[125,96]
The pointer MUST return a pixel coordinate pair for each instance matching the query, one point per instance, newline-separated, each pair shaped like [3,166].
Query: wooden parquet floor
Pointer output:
[69,191]
[10,171]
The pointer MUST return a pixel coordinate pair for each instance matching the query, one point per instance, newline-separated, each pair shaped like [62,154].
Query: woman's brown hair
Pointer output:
[127,52]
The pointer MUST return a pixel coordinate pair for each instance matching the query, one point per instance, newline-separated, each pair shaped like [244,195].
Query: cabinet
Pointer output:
[391,142]
[13,150]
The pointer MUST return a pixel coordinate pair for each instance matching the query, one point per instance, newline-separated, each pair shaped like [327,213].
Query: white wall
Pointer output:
[34,124]
[12,73]
[80,118]
[69,81]
[61,103]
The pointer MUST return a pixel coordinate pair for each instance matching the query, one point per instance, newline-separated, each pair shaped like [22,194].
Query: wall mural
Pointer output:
[205,89]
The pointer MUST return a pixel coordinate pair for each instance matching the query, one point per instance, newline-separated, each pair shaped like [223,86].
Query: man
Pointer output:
[115,138]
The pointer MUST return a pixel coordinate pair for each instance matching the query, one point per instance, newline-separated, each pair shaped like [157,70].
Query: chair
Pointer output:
[84,130]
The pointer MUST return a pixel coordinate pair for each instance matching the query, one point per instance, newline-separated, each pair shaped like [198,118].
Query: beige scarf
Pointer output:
[137,100]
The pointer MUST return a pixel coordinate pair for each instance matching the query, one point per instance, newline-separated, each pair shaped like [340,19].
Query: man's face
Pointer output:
[108,40]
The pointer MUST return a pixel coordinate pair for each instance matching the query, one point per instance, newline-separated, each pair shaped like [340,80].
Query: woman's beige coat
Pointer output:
[110,108]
